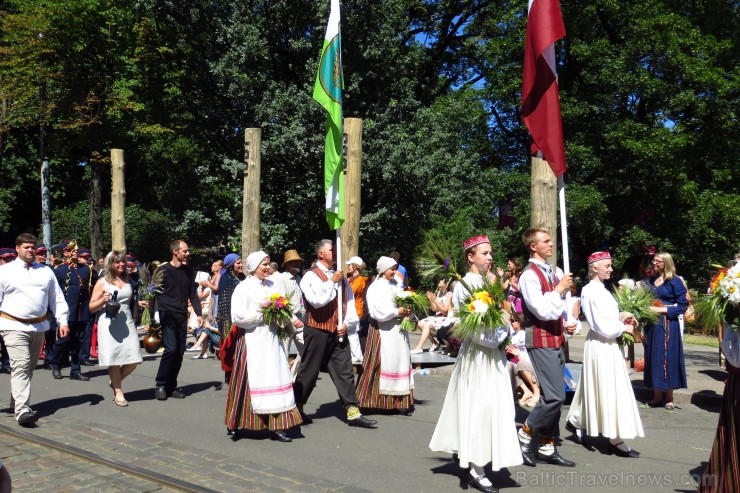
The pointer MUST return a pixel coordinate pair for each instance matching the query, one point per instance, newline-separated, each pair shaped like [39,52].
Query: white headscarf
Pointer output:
[384,263]
[254,260]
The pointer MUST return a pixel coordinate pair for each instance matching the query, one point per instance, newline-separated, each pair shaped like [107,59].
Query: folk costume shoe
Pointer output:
[577,433]
[619,451]
[525,444]
[555,459]
[481,483]
[355,418]
[280,436]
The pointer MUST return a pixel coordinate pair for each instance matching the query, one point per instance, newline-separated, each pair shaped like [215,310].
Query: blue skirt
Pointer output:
[665,368]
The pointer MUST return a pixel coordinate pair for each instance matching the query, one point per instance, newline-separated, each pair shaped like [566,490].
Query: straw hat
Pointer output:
[290,256]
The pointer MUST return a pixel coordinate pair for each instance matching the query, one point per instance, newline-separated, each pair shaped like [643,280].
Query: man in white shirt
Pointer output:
[325,339]
[29,294]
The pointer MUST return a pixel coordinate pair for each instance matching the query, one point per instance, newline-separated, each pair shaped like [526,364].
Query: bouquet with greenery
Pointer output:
[484,308]
[722,304]
[417,303]
[277,312]
[637,300]
[437,260]
[149,287]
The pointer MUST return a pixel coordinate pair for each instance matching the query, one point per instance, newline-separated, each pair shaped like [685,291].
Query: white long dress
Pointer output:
[478,416]
[604,402]
[118,342]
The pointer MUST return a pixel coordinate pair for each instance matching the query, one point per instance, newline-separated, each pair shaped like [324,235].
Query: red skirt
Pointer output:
[368,385]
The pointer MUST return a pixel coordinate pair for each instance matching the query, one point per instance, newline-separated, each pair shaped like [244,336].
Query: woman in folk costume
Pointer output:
[388,380]
[478,419]
[260,389]
[604,402]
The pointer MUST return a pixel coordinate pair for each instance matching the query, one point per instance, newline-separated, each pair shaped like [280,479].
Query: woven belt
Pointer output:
[33,320]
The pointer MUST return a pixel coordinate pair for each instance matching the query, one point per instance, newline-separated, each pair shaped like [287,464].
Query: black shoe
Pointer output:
[57,374]
[528,458]
[280,436]
[176,394]
[476,483]
[28,418]
[613,449]
[571,428]
[305,418]
[78,376]
[362,422]
[160,393]
[87,363]
[556,459]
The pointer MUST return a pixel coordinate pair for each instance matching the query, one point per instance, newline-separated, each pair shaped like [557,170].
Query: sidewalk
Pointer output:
[705,379]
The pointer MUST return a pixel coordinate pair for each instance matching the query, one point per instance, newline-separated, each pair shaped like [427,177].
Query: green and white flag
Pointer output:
[328,92]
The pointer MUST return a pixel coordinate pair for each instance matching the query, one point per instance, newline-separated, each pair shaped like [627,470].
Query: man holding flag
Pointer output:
[326,292]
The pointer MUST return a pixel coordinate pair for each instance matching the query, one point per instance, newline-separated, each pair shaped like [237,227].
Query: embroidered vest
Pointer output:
[542,333]
[326,317]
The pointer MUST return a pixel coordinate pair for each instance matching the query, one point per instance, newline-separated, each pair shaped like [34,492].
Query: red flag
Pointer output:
[540,103]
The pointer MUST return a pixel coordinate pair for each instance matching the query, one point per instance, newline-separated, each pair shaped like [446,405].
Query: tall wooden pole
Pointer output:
[544,201]
[118,201]
[352,195]
[251,202]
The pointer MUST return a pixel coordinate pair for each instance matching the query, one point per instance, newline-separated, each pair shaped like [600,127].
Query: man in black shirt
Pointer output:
[177,287]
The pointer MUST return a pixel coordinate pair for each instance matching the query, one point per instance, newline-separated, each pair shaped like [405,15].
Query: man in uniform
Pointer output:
[77,282]
[7,255]
[50,336]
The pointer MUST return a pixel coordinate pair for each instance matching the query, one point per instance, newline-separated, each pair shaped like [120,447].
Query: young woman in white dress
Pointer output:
[604,402]
[477,421]
[118,341]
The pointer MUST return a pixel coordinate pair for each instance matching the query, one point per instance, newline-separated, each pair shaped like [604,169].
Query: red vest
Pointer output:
[326,317]
[542,333]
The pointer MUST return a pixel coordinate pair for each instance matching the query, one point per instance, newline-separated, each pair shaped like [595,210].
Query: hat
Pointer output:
[84,252]
[130,259]
[290,256]
[69,245]
[384,263]
[596,256]
[40,247]
[230,259]
[255,259]
[355,260]
[475,240]
[7,253]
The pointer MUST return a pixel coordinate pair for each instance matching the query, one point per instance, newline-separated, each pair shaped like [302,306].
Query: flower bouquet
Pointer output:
[417,303]
[276,311]
[483,309]
[437,260]
[722,306]
[149,287]
[636,300]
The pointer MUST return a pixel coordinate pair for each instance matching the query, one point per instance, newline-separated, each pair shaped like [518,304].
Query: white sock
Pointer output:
[524,437]
[547,449]
[476,472]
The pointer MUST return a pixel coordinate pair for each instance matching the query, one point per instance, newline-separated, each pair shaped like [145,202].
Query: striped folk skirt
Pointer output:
[723,470]
[239,414]
[368,385]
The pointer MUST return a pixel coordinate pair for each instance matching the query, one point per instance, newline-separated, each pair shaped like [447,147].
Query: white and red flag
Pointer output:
[540,103]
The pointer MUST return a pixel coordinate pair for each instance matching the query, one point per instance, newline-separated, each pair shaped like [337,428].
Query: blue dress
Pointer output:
[664,361]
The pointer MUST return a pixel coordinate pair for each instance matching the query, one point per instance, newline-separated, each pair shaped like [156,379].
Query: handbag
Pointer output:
[113,306]
[689,315]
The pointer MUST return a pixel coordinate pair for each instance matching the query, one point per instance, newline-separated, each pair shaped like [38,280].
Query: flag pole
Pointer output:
[340,288]
[564,240]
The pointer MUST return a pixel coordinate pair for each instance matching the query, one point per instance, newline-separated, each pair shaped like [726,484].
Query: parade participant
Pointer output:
[665,368]
[41,253]
[260,390]
[177,287]
[387,381]
[325,340]
[118,341]
[543,289]
[358,283]
[77,282]
[604,402]
[478,421]
[292,261]
[231,275]
[402,277]
[7,255]
[85,258]
[28,292]
[50,336]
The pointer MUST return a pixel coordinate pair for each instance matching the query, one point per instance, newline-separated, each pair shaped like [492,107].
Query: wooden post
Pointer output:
[118,201]
[251,202]
[352,195]
[544,201]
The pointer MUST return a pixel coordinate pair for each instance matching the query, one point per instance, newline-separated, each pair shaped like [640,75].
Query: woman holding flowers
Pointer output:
[664,361]
[604,402]
[260,390]
[388,380]
[118,341]
[478,420]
